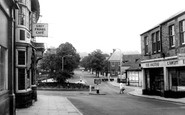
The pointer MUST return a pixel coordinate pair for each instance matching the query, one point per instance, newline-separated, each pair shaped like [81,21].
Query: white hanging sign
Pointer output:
[40,30]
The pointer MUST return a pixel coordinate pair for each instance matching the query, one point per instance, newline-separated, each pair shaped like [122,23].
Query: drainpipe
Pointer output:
[12,59]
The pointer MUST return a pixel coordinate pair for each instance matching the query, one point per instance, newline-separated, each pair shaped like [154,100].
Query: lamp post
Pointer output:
[63,60]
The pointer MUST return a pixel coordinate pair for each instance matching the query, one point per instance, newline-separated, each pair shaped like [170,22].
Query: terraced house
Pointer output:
[163,64]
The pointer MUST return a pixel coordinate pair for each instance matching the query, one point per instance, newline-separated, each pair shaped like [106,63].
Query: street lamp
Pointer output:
[63,60]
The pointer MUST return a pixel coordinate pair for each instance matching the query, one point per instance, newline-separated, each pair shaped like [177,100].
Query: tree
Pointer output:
[97,61]
[53,62]
[85,62]
[70,57]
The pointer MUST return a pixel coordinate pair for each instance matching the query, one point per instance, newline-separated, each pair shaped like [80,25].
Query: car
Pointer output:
[80,82]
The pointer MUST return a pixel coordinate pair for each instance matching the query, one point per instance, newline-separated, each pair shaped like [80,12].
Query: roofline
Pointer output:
[171,18]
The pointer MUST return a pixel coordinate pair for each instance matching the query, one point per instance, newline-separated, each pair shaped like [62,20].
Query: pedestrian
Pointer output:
[121,88]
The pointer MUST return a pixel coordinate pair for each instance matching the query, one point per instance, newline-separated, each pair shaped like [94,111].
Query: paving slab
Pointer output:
[50,105]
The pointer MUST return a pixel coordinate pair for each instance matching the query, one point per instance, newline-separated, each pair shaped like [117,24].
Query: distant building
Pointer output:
[114,63]
[131,67]
[163,50]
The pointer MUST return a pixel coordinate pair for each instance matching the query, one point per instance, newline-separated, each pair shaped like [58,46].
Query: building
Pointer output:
[132,70]
[7,96]
[27,52]
[114,63]
[163,64]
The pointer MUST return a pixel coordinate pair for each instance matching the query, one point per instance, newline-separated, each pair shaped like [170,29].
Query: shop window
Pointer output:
[172,36]
[182,32]
[178,79]
[21,78]
[3,72]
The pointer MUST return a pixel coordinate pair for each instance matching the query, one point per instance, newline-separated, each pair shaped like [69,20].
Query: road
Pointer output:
[113,103]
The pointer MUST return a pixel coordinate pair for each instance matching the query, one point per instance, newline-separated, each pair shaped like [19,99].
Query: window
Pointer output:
[172,36]
[154,44]
[182,31]
[22,35]
[22,17]
[3,72]
[113,64]
[21,78]
[146,45]
[158,42]
[21,57]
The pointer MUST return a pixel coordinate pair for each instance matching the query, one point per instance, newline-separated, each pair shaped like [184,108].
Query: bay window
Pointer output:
[23,73]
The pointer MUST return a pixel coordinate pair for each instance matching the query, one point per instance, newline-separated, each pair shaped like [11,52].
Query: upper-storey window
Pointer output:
[113,64]
[172,36]
[24,17]
[158,42]
[146,44]
[154,44]
[182,32]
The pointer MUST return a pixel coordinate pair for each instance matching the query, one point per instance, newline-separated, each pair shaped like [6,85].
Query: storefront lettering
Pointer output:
[183,61]
[152,65]
[172,62]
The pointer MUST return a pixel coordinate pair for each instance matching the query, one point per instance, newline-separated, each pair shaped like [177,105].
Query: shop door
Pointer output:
[157,79]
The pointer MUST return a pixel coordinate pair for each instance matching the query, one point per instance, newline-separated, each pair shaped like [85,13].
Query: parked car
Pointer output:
[81,82]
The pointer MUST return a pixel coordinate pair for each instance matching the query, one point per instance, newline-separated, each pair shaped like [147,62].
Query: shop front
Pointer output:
[164,77]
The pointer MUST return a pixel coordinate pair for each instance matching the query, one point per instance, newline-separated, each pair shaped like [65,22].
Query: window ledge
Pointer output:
[3,92]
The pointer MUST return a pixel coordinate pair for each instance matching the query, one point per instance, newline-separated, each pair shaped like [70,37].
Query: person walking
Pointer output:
[121,88]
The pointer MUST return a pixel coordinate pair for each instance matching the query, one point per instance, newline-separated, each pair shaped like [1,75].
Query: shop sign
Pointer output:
[175,63]
[172,63]
[151,65]
[40,30]
[181,56]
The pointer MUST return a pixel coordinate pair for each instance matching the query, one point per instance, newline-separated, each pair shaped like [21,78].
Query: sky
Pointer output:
[103,24]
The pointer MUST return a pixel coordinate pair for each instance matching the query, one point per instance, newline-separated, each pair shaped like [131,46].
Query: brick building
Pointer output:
[163,65]
[114,63]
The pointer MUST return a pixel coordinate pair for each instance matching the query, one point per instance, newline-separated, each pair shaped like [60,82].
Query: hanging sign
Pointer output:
[40,30]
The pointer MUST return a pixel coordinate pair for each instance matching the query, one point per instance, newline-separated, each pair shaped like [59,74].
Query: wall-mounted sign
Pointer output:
[152,65]
[40,30]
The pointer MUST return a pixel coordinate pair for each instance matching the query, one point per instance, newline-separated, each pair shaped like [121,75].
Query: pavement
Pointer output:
[138,92]
[50,105]
[59,105]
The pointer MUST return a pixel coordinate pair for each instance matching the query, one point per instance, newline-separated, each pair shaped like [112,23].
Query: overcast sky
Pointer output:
[103,24]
